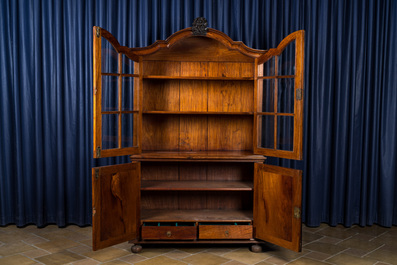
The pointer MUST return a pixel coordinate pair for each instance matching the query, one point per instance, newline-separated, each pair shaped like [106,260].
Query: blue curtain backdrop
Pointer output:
[350,131]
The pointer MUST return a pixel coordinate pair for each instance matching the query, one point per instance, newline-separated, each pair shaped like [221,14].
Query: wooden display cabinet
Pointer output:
[198,113]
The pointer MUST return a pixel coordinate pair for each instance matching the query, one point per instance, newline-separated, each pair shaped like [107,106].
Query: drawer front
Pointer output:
[225,231]
[169,232]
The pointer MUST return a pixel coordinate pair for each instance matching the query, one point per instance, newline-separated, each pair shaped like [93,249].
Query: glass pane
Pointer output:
[286,60]
[267,95]
[127,65]
[285,133]
[285,99]
[127,129]
[110,96]
[268,68]
[110,58]
[127,96]
[266,139]
[109,131]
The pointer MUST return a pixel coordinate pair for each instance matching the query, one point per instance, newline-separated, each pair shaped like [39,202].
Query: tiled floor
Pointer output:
[321,245]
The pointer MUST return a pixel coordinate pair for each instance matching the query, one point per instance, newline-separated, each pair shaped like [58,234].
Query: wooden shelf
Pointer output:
[196,185]
[196,112]
[209,156]
[209,78]
[196,216]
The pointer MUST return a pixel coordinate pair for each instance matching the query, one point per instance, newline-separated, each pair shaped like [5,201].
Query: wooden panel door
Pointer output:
[278,120]
[116,97]
[115,204]
[277,205]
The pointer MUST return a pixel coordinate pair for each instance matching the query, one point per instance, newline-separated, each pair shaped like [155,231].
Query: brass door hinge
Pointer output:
[98,32]
[297,212]
[98,152]
[96,173]
[299,94]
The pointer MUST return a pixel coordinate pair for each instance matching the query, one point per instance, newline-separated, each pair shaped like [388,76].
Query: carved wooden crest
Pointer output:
[200,26]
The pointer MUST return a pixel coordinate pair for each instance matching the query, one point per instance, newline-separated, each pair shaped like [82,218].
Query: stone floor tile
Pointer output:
[107,254]
[205,259]
[80,249]
[14,248]
[384,256]
[59,258]
[16,260]
[329,240]
[161,260]
[374,230]
[192,249]
[325,248]
[233,262]
[153,252]
[116,262]
[177,254]
[337,232]
[308,237]
[219,251]
[245,256]
[86,262]
[357,243]
[57,245]
[318,256]
[345,259]
[133,258]
[355,252]
[34,239]
[306,261]
[35,253]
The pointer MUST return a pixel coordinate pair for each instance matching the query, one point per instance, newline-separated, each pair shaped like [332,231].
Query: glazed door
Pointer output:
[115,204]
[116,97]
[278,120]
[277,205]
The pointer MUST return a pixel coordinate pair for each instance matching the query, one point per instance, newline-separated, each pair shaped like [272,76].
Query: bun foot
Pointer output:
[256,248]
[136,248]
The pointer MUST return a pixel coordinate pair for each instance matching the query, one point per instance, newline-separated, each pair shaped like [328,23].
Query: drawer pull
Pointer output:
[169,234]
[227,233]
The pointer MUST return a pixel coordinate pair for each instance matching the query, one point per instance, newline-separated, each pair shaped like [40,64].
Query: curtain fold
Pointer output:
[350,114]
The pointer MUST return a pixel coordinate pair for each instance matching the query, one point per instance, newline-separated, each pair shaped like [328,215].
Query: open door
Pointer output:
[115,204]
[278,120]
[277,206]
[116,97]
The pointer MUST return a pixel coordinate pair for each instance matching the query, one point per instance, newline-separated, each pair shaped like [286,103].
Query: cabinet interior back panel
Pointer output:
[196,200]
[197,132]
[220,171]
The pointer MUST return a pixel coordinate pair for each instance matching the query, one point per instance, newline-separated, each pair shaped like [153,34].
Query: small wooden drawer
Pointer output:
[169,232]
[225,231]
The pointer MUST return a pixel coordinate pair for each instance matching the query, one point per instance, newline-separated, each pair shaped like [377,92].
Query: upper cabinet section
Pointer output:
[116,97]
[198,90]
[279,99]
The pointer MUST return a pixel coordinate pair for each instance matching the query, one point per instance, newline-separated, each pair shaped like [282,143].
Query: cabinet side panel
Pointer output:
[230,132]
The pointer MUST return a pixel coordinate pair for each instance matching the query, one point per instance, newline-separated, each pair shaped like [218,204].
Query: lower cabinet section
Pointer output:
[195,231]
